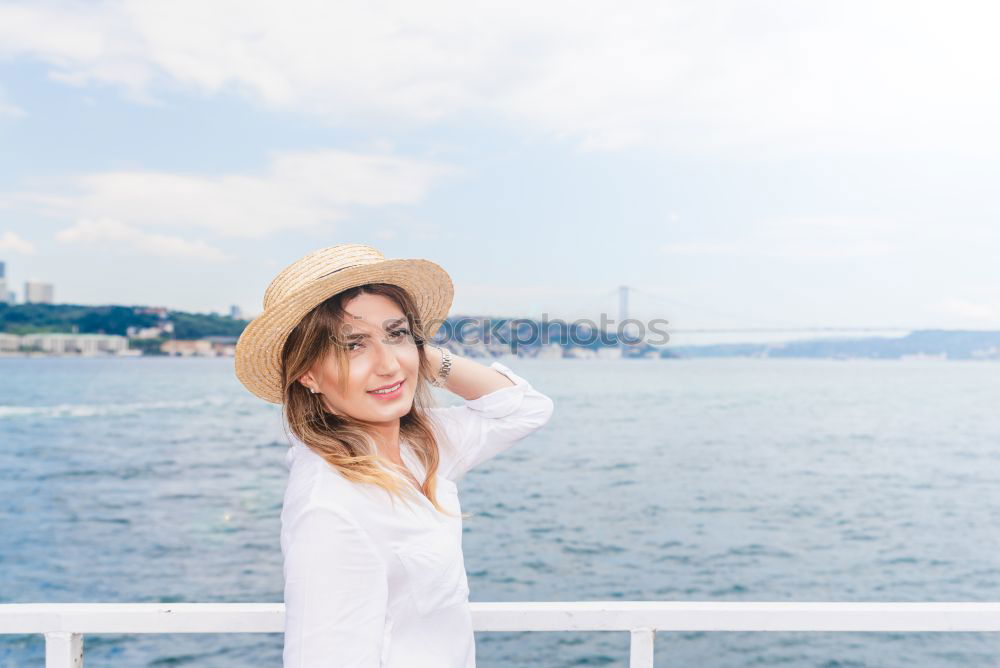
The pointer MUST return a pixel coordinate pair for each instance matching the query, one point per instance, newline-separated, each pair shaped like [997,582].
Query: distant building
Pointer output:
[210,346]
[924,356]
[223,346]
[9,343]
[4,294]
[550,351]
[161,311]
[79,344]
[36,292]
[188,348]
[235,312]
[148,332]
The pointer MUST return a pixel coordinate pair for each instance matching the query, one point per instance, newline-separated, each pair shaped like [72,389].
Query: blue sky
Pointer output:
[743,164]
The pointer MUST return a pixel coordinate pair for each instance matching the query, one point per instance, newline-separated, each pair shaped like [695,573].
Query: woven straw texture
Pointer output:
[307,282]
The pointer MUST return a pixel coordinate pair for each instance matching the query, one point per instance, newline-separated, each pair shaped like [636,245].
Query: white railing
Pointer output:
[65,624]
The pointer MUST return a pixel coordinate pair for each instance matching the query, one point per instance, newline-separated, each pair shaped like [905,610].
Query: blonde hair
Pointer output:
[345,443]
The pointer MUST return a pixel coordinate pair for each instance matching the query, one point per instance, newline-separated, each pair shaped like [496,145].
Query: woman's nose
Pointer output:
[386,362]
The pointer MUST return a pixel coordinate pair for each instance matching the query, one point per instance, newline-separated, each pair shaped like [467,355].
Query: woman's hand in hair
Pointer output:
[468,379]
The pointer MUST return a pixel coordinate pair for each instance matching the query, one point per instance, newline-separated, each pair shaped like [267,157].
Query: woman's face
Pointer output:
[381,351]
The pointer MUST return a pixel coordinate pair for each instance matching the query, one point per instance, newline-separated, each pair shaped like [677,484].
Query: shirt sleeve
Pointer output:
[336,589]
[482,428]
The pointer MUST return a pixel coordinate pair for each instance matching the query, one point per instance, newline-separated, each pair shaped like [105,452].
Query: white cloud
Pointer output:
[699,76]
[11,243]
[115,235]
[298,190]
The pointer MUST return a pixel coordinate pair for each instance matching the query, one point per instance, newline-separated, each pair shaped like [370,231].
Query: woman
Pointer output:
[371,525]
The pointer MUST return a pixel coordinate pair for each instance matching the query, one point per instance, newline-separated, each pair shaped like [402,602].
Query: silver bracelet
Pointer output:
[445,368]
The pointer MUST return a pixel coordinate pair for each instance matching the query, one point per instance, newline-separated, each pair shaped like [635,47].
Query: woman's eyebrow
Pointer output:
[388,325]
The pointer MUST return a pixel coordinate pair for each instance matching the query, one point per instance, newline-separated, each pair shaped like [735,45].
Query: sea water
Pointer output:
[160,480]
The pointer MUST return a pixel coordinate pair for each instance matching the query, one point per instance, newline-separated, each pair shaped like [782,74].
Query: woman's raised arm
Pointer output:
[482,428]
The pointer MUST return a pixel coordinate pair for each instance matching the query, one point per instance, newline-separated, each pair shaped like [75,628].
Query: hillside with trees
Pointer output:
[72,318]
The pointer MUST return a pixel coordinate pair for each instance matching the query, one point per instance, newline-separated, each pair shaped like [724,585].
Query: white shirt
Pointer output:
[372,585]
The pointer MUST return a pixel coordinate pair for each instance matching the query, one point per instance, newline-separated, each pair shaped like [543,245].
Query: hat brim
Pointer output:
[258,350]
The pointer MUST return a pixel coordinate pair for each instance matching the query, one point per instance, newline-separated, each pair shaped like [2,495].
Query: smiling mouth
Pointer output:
[392,389]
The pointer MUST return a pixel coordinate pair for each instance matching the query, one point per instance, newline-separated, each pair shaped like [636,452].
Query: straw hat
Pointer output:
[307,282]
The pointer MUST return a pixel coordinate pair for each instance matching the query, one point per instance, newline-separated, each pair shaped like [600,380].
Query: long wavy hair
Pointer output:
[345,443]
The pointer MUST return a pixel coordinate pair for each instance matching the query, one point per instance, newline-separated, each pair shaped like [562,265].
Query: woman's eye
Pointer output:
[354,345]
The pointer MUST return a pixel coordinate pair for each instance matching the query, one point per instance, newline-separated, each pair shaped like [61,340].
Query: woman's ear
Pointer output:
[307,381]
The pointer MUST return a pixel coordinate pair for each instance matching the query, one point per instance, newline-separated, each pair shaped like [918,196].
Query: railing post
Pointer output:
[63,650]
[640,653]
